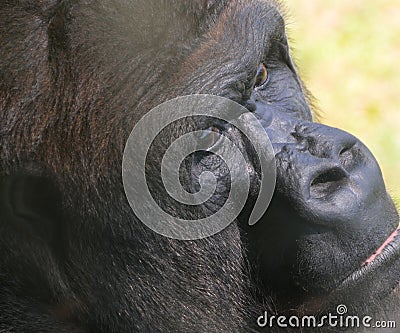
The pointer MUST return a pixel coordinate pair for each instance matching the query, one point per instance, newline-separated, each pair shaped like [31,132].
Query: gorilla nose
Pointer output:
[322,157]
[309,174]
[325,142]
[328,179]
[336,157]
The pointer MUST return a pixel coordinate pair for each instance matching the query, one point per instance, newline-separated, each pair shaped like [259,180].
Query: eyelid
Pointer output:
[284,52]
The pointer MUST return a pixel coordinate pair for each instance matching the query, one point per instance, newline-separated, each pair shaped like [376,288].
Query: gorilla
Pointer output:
[75,77]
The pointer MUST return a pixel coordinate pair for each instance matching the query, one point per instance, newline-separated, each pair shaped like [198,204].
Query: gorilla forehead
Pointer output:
[98,74]
[194,47]
[226,42]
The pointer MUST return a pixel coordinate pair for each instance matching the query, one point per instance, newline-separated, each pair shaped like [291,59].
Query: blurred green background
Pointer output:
[349,57]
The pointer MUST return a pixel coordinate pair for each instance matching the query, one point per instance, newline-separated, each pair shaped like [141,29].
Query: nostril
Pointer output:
[350,157]
[331,175]
[344,151]
[327,182]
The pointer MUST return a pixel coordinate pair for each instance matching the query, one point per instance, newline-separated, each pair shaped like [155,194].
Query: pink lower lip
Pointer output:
[383,246]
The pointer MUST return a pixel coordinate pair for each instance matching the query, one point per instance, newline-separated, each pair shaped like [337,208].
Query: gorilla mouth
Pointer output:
[386,243]
[376,279]
[382,259]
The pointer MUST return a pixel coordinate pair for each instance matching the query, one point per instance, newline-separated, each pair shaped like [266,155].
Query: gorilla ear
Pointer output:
[31,205]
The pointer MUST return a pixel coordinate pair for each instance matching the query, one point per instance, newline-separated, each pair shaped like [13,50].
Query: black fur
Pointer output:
[75,77]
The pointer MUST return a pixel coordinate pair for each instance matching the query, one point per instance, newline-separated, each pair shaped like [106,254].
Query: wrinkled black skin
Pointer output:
[74,79]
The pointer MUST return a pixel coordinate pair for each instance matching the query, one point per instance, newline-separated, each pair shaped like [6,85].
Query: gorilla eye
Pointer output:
[210,137]
[261,76]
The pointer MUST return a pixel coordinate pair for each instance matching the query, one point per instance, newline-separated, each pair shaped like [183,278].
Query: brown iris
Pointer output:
[261,76]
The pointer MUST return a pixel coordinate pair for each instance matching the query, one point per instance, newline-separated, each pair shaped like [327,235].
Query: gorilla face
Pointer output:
[76,76]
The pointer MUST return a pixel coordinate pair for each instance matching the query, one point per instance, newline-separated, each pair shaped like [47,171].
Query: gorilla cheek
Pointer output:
[214,164]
